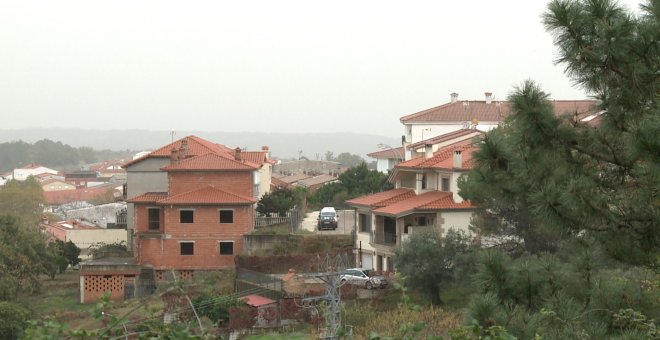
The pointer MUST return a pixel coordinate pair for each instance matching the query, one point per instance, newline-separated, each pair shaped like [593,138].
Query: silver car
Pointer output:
[363,277]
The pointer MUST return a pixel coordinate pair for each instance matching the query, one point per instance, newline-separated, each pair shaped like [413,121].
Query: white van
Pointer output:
[327,218]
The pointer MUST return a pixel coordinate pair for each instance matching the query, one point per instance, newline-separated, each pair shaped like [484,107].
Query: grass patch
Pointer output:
[276,229]
[456,297]
[278,336]
[58,297]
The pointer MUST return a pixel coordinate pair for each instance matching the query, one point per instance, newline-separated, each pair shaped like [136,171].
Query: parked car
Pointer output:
[363,277]
[327,218]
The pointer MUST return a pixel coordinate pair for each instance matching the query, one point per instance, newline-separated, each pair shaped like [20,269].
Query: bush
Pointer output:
[13,319]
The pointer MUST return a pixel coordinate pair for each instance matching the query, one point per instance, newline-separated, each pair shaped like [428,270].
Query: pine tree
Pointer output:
[549,176]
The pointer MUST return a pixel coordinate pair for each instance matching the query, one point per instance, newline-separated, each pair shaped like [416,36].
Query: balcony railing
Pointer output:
[385,239]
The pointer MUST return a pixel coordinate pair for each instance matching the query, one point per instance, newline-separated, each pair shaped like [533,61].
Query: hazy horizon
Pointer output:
[288,66]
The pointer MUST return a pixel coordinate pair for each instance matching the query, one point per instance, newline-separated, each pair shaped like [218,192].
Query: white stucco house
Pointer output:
[438,144]
[32,169]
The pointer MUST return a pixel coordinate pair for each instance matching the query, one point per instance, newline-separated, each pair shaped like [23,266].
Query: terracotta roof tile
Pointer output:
[446,137]
[382,198]
[433,200]
[395,153]
[207,195]
[258,300]
[210,161]
[256,157]
[443,158]
[196,146]
[277,183]
[320,179]
[463,110]
[148,197]
[294,178]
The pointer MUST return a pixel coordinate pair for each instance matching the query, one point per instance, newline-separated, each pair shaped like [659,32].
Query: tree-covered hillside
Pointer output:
[52,154]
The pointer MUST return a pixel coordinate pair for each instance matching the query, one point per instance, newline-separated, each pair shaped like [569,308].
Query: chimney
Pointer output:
[265,148]
[428,150]
[458,159]
[454,97]
[183,150]
[489,97]
[174,156]
[237,154]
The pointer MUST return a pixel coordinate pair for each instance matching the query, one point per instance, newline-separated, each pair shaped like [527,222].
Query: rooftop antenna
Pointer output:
[172,133]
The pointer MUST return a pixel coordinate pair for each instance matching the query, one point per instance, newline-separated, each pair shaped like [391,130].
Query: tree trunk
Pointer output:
[435,295]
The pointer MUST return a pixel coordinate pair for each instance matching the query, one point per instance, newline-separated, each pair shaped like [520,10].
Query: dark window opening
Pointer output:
[154,219]
[186,216]
[423,181]
[365,223]
[187,248]
[226,248]
[445,184]
[226,216]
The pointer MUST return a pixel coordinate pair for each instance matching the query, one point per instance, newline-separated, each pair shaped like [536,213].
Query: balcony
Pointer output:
[384,241]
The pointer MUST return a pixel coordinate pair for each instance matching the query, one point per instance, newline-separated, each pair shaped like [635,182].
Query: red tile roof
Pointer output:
[443,158]
[446,137]
[382,199]
[277,183]
[463,110]
[210,162]
[256,157]
[148,197]
[320,179]
[433,200]
[208,195]
[258,300]
[196,146]
[396,153]
[294,178]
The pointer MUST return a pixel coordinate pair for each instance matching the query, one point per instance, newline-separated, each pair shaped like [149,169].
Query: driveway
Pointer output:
[345,223]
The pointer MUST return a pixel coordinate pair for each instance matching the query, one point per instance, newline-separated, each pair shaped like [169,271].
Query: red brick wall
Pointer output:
[238,182]
[95,285]
[206,232]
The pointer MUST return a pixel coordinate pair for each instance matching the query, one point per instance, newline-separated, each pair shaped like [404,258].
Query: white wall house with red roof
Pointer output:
[425,196]
[32,169]
[437,144]
[482,115]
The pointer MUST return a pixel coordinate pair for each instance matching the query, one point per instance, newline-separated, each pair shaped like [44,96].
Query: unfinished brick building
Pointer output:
[198,223]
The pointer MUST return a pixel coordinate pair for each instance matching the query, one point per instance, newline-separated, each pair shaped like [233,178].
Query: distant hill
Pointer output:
[282,145]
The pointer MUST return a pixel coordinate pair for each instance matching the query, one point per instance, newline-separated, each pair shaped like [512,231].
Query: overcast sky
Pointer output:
[281,66]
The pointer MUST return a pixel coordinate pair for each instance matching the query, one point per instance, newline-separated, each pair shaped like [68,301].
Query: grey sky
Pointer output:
[282,66]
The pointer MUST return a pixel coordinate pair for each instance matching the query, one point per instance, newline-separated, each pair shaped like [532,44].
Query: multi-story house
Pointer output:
[437,144]
[482,115]
[191,202]
[424,196]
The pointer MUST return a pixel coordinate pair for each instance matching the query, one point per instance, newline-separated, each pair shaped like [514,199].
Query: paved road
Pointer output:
[345,223]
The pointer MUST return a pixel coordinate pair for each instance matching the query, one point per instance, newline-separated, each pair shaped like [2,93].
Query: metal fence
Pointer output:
[266,284]
[292,217]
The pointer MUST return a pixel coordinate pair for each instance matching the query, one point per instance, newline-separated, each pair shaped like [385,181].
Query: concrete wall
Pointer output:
[254,243]
[141,177]
[265,175]
[100,215]
[83,238]
[455,219]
